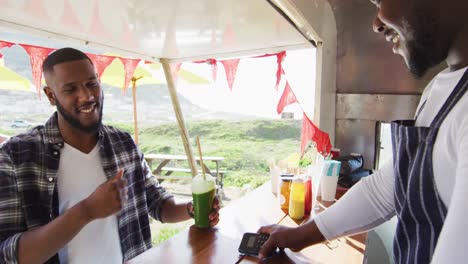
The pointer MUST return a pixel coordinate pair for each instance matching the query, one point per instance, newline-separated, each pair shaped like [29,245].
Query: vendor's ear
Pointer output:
[50,95]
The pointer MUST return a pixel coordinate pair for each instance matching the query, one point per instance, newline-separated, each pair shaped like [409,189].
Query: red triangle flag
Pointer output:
[36,8]
[286,99]
[229,36]
[175,68]
[5,3]
[230,67]
[311,132]
[4,44]
[97,28]
[100,62]
[69,18]
[214,67]
[37,56]
[128,36]
[129,67]
[279,59]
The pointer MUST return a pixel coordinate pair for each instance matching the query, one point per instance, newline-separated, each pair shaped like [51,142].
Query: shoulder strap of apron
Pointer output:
[420,110]
[452,100]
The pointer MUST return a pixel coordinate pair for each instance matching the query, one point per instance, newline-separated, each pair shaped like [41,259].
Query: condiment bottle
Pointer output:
[285,189]
[308,195]
[297,199]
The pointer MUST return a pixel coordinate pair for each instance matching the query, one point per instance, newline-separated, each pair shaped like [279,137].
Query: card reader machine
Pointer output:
[252,243]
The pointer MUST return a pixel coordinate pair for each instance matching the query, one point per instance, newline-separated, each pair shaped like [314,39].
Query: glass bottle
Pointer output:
[297,199]
[285,189]
[308,195]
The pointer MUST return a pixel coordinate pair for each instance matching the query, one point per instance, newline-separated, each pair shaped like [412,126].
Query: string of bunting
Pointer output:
[38,54]
[309,130]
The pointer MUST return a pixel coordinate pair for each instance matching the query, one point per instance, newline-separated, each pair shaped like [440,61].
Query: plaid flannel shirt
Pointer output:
[29,196]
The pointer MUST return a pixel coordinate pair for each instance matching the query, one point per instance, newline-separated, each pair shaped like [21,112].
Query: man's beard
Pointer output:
[74,122]
[424,47]
[421,58]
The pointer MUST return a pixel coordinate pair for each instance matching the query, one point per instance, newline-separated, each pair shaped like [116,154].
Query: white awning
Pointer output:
[179,30]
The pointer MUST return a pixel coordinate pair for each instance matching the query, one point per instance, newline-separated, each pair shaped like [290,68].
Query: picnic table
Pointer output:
[164,172]
[220,244]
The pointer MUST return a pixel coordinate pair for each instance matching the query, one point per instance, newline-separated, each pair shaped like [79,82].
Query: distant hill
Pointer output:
[154,106]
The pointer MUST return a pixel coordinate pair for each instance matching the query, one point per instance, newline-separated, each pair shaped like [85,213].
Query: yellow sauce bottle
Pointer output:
[297,199]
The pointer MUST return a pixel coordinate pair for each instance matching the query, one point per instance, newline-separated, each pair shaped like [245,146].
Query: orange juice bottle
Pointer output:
[297,199]
[285,189]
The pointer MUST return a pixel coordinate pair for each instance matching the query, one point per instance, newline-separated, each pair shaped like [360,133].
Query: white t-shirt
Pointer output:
[79,175]
[371,202]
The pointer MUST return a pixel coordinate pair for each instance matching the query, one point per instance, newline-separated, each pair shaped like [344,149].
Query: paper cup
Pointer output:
[329,180]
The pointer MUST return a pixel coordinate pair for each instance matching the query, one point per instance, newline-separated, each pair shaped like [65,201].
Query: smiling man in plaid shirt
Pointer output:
[74,190]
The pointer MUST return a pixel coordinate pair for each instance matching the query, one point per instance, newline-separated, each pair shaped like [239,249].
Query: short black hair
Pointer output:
[63,55]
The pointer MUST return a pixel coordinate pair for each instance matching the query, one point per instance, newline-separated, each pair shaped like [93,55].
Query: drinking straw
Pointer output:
[201,158]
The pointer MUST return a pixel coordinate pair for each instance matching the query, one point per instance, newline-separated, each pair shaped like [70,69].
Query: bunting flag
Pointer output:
[278,25]
[228,36]
[286,99]
[129,67]
[128,36]
[97,28]
[214,68]
[279,71]
[4,44]
[37,56]
[311,132]
[230,67]
[69,18]
[175,68]
[36,8]
[5,3]
[280,56]
[100,62]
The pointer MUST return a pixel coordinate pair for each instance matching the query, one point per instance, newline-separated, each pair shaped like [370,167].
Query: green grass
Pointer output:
[246,146]
[122,126]
[8,132]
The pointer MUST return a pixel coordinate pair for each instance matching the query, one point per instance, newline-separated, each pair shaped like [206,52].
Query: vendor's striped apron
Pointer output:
[419,209]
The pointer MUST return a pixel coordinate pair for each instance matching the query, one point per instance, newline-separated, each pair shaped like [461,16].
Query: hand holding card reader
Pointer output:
[252,243]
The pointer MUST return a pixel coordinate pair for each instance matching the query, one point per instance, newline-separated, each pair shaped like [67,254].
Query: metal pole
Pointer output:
[180,118]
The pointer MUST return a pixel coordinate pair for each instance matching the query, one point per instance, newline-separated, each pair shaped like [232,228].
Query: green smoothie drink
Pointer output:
[203,193]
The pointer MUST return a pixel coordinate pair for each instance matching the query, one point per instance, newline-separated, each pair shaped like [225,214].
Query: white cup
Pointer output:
[329,179]
[275,178]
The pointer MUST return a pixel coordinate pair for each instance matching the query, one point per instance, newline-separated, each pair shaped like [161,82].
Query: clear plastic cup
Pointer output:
[203,193]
